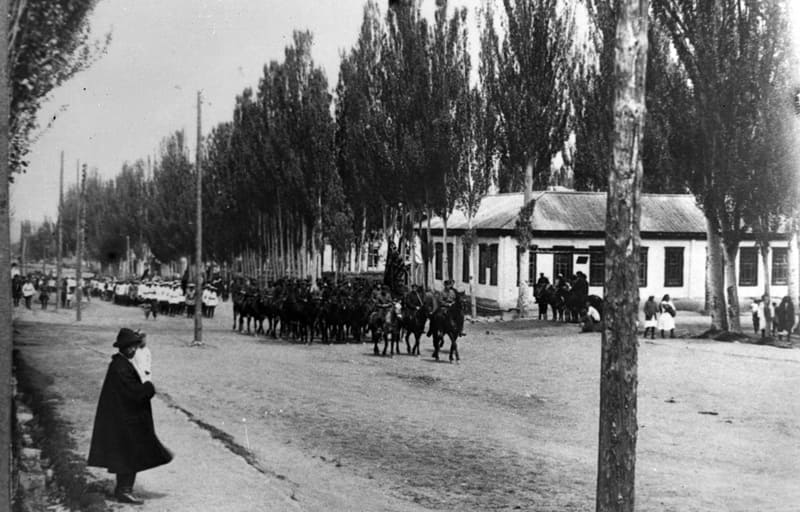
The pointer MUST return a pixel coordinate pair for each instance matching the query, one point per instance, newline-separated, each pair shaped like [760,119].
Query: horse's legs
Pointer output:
[454,348]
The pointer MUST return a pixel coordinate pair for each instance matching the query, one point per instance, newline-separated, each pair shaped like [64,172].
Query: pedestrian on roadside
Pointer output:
[764,315]
[774,317]
[666,318]
[785,318]
[124,439]
[44,297]
[754,310]
[650,317]
[27,292]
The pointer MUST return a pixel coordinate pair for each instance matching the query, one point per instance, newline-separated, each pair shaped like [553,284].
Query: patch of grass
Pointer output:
[52,436]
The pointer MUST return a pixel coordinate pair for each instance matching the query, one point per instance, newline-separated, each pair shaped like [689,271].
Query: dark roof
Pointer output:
[568,211]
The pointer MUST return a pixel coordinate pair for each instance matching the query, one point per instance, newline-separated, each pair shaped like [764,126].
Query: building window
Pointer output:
[780,265]
[450,261]
[673,266]
[562,262]
[372,256]
[493,264]
[465,263]
[531,266]
[487,259]
[748,266]
[642,266]
[437,264]
[597,266]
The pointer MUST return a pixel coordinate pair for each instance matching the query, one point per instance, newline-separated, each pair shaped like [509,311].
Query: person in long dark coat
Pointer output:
[785,317]
[124,439]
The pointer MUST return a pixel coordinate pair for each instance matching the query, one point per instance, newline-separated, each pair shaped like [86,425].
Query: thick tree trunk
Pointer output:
[303,248]
[764,250]
[360,264]
[793,290]
[732,287]
[619,364]
[281,237]
[5,283]
[523,259]
[428,256]
[412,279]
[715,278]
[472,262]
[445,270]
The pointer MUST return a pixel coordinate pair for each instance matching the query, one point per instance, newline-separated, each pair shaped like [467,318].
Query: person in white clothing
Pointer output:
[210,301]
[591,320]
[666,318]
[27,292]
[143,359]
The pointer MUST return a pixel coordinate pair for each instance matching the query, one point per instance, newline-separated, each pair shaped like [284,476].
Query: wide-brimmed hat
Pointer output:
[127,337]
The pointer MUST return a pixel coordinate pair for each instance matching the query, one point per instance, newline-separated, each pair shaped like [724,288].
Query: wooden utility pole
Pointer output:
[127,256]
[198,262]
[60,256]
[616,461]
[79,242]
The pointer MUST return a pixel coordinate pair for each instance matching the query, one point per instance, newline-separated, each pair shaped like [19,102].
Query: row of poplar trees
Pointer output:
[409,132]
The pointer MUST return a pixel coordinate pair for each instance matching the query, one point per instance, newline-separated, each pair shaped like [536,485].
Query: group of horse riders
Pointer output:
[352,308]
[568,298]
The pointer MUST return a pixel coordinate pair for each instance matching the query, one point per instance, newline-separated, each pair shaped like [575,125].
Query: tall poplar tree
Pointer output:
[529,91]
[616,461]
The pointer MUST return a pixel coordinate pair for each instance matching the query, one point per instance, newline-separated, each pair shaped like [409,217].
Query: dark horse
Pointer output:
[414,323]
[448,320]
[385,322]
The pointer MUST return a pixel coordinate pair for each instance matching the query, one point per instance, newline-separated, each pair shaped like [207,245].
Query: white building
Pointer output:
[569,235]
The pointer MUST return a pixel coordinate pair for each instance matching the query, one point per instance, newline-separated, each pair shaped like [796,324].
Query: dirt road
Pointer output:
[261,424]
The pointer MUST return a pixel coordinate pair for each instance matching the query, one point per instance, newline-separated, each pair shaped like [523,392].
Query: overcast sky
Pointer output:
[162,52]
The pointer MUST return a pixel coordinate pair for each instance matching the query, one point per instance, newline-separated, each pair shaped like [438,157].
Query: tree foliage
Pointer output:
[48,42]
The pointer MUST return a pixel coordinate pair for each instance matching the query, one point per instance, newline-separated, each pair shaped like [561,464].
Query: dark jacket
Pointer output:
[650,309]
[124,439]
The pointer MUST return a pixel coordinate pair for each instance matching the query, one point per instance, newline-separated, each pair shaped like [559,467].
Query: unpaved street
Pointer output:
[514,426]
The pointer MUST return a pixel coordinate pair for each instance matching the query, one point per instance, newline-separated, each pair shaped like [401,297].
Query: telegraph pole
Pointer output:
[198,257]
[79,262]
[59,263]
[127,256]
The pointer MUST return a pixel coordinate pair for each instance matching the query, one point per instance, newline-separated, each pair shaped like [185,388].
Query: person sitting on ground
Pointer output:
[591,320]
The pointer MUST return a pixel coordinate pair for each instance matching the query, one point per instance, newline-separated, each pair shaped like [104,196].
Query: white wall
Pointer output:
[694,257]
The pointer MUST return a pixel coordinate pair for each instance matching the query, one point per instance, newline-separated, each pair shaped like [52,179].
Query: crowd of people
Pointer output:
[25,289]
[165,297]
[780,317]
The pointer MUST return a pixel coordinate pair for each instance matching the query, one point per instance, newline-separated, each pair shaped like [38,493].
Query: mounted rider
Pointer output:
[446,298]
[384,297]
[412,301]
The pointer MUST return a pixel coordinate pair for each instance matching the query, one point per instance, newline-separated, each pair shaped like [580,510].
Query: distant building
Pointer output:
[569,235]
